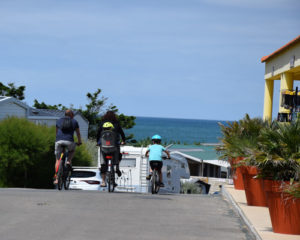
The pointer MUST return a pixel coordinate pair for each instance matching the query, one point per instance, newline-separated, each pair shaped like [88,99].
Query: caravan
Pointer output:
[135,167]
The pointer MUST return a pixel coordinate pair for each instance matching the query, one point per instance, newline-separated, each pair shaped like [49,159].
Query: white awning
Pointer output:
[220,163]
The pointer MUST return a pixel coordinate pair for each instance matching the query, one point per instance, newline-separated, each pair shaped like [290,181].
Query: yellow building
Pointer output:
[283,65]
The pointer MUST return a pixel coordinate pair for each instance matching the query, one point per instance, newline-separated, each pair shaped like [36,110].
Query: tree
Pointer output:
[94,107]
[12,91]
[43,105]
[95,110]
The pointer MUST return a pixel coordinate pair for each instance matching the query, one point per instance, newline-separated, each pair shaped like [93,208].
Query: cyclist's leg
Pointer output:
[103,169]
[103,174]
[152,166]
[58,151]
[71,150]
[160,164]
[117,160]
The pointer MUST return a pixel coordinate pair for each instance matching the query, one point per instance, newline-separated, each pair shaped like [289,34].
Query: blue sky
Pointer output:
[195,59]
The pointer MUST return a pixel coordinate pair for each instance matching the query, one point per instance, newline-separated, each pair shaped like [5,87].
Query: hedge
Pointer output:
[27,154]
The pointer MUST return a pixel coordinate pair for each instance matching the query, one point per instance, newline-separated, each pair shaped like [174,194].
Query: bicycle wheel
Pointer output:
[155,182]
[60,176]
[111,180]
[67,177]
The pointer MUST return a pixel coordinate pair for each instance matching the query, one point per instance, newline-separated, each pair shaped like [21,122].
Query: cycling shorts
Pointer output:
[156,164]
[59,145]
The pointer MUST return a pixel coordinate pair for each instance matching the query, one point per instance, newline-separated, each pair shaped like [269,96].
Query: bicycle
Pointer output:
[109,152]
[64,170]
[155,180]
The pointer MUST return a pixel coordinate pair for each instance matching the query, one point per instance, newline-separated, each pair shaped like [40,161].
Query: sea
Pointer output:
[185,131]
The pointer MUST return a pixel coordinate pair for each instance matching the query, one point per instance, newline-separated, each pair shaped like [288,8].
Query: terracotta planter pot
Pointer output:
[238,176]
[284,210]
[255,194]
[267,187]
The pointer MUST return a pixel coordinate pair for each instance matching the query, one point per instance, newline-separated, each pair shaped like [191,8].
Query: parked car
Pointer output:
[85,178]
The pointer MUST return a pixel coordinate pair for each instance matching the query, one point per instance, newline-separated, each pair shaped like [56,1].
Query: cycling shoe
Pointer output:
[119,173]
[148,177]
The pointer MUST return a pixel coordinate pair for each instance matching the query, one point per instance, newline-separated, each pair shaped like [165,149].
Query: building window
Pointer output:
[128,162]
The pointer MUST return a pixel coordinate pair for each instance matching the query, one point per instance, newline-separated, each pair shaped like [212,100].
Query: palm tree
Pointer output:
[277,153]
[239,137]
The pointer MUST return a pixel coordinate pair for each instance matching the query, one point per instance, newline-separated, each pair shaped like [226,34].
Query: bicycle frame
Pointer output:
[63,172]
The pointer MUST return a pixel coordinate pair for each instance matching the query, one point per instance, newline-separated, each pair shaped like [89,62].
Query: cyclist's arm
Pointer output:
[147,153]
[122,134]
[78,135]
[99,132]
[168,153]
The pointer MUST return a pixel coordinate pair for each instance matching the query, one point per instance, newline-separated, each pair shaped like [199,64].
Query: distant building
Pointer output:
[203,161]
[283,65]
[10,106]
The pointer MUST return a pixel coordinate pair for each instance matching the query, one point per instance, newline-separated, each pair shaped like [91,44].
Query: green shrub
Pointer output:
[91,147]
[27,154]
[191,188]
[82,156]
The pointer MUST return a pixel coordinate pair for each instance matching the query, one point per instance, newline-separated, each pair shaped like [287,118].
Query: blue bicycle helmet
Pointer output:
[156,137]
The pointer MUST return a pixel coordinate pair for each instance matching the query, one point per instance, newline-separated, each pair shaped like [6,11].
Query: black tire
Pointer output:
[155,182]
[111,180]
[60,176]
[67,178]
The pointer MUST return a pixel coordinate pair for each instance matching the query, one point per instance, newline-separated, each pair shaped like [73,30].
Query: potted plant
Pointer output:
[238,137]
[249,139]
[229,150]
[278,159]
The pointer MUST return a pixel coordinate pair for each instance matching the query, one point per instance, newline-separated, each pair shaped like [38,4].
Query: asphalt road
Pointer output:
[82,215]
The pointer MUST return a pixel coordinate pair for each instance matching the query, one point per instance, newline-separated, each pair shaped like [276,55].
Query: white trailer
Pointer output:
[135,167]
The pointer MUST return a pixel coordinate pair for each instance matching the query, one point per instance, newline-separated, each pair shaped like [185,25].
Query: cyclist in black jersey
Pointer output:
[65,128]
[109,120]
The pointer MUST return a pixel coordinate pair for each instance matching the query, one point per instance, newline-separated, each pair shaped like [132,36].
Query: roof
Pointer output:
[44,113]
[216,162]
[51,113]
[294,41]
[220,163]
[40,113]
[5,99]
[2,97]
[187,156]
[203,152]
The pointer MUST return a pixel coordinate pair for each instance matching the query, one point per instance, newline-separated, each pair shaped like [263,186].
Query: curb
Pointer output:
[241,213]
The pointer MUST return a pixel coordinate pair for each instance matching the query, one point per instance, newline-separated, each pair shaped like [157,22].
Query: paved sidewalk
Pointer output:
[257,217]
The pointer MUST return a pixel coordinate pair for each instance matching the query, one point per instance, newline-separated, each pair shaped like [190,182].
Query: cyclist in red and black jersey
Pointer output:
[110,119]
